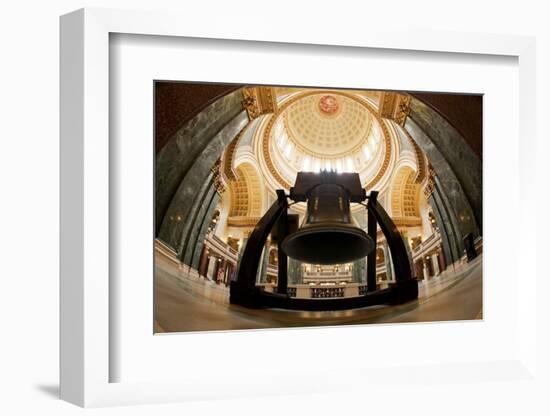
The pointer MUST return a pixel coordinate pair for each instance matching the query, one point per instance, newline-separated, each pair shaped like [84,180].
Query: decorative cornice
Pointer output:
[258,101]
[407,221]
[218,182]
[243,221]
[395,106]
[429,188]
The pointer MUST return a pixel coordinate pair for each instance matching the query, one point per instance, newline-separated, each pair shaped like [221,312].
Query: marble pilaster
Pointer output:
[263,265]
[359,271]
[388,262]
[198,232]
[295,275]
[445,241]
[435,263]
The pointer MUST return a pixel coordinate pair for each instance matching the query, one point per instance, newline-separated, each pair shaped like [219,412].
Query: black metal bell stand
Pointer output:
[328,195]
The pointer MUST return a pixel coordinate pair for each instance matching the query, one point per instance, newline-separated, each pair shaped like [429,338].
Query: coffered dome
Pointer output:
[324,130]
[327,125]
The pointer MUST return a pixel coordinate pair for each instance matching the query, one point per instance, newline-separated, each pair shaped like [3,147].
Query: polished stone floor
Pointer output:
[189,304]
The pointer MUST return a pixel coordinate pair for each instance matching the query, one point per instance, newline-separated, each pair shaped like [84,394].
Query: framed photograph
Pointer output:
[284,213]
[273,201]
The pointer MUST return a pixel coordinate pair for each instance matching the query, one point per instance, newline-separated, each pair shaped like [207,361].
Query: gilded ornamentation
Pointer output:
[242,221]
[395,106]
[407,221]
[429,188]
[218,182]
[258,101]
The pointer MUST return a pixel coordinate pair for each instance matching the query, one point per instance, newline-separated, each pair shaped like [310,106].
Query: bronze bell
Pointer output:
[329,234]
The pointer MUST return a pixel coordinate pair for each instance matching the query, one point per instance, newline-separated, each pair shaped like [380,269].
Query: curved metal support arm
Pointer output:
[400,258]
[246,277]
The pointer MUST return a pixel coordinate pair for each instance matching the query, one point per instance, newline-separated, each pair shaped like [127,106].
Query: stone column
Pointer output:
[388,263]
[195,222]
[262,270]
[409,253]
[442,263]
[435,264]
[447,229]
[230,273]
[359,271]
[197,233]
[295,275]
[425,271]
[203,264]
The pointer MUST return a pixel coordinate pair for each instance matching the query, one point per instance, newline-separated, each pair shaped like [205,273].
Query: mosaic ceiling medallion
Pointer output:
[328,105]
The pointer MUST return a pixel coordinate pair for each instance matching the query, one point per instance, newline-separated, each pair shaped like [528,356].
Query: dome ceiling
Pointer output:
[324,130]
[327,125]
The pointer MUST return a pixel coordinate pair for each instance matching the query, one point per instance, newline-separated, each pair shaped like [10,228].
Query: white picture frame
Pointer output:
[85,211]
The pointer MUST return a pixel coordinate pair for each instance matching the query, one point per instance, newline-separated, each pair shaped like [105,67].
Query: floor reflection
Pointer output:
[196,304]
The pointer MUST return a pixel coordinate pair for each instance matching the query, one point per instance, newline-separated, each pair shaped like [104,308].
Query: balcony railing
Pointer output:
[425,247]
[221,248]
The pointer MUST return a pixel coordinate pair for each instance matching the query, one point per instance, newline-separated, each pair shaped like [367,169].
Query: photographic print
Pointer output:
[284,206]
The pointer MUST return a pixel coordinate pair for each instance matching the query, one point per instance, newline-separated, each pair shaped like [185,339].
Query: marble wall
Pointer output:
[458,167]
[295,272]
[454,195]
[197,232]
[181,212]
[181,152]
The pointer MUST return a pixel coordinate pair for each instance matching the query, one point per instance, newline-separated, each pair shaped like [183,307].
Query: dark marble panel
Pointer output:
[262,275]
[176,225]
[451,147]
[201,235]
[359,271]
[176,157]
[295,272]
[388,262]
[451,188]
[195,224]
[186,195]
[451,219]
[448,238]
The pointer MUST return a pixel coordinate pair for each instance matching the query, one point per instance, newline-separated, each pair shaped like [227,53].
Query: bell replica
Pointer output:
[328,234]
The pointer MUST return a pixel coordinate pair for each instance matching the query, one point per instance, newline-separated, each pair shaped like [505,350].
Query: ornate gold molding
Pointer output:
[286,104]
[259,100]
[218,182]
[429,188]
[407,221]
[395,106]
[242,221]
